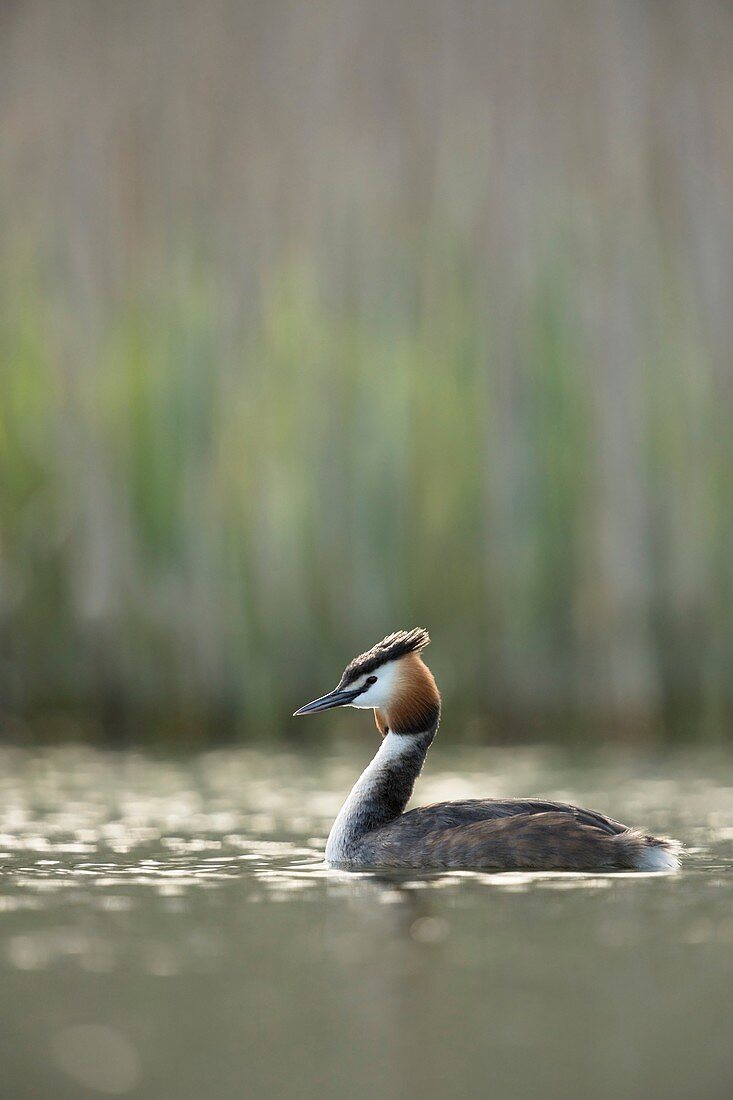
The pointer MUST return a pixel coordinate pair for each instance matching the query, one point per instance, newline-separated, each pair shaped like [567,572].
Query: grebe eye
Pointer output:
[371,680]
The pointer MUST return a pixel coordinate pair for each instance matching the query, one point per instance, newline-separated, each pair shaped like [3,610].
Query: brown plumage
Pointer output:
[550,841]
[416,703]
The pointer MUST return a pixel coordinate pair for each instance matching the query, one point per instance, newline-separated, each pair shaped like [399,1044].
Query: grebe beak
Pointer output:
[326,702]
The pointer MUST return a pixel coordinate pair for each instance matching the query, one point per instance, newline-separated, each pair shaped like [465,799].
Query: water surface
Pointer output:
[168,929]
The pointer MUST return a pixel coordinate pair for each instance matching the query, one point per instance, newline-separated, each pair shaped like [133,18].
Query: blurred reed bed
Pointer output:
[320,321]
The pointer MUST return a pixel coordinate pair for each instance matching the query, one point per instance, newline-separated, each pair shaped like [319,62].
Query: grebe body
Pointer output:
[372,828]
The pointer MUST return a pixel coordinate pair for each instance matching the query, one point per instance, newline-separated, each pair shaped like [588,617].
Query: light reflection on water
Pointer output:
[168,927]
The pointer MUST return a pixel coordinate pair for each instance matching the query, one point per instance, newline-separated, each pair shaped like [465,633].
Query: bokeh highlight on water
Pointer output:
[168,928]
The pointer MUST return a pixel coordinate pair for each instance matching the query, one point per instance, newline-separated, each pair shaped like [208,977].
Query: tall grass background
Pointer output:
[317,320]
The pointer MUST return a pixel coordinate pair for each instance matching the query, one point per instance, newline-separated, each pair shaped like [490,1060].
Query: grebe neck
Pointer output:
[381,792]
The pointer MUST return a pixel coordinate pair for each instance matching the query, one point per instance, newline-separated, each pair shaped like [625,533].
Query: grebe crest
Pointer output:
[391,679]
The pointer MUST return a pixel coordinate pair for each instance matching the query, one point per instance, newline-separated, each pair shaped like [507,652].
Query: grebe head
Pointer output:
[392,679]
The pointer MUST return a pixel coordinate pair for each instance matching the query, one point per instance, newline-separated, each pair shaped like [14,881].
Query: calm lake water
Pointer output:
[167,929]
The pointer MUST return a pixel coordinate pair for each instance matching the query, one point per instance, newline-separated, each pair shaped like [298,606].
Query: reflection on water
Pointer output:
[168,928]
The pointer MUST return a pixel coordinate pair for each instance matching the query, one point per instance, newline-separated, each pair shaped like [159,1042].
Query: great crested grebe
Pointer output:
[372,829]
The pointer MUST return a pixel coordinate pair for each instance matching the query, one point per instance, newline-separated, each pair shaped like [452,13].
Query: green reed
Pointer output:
[203,518]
